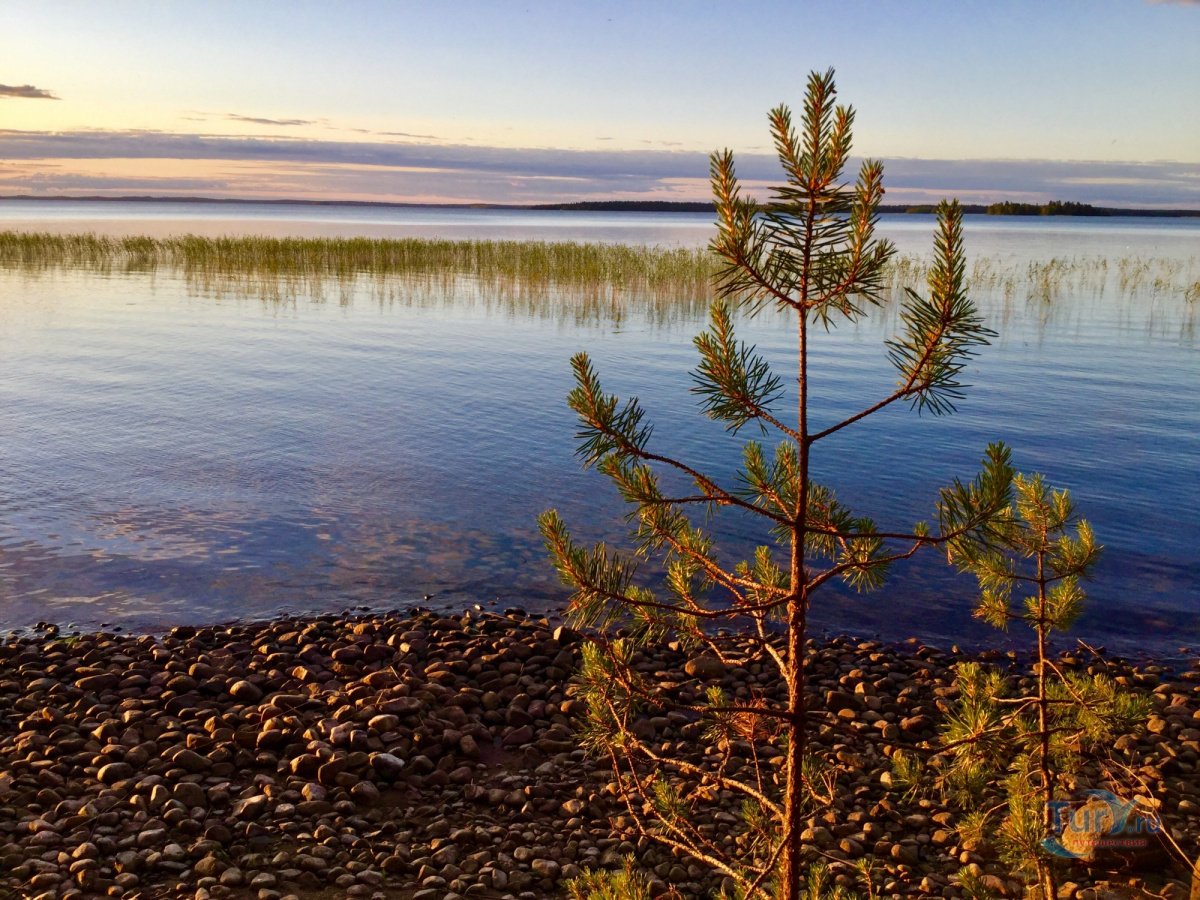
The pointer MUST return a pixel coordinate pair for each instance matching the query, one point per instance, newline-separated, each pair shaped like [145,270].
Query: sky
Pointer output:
[1095,101]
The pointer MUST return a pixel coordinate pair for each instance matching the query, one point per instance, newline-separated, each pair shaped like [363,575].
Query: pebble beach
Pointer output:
[420,756]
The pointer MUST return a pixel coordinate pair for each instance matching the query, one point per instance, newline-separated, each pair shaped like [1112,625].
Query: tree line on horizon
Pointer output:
[1002,208]
[1006,207]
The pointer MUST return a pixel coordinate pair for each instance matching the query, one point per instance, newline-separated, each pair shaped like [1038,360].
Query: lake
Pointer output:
[174,451]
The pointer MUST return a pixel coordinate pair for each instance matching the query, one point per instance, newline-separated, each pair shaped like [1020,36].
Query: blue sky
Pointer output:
[528,102]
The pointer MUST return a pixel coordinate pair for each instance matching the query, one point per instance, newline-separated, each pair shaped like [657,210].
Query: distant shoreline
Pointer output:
[657,206]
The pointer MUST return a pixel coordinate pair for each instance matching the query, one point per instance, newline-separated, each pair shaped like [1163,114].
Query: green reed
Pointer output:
[569,280]
[535,261]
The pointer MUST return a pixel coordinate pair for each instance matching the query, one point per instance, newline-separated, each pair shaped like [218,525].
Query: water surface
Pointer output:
[173,454]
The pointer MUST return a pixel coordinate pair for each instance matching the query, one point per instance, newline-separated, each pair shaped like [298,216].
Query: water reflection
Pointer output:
[580,283]
[191,445]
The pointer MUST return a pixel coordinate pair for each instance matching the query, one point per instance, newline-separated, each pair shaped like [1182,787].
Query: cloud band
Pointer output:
[26,92]
[260,166]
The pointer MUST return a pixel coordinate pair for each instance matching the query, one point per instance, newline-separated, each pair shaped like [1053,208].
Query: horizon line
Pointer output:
[567,205]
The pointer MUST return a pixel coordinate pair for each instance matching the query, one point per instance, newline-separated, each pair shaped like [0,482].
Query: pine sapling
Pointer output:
[811,254]
[1029,569]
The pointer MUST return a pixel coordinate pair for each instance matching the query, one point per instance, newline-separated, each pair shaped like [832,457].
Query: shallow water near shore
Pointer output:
[181,452]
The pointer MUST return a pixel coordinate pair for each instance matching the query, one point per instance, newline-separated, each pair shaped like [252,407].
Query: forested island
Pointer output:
[1004,208]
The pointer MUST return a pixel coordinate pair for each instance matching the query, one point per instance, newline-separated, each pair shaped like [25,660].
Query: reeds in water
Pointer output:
[627,267]
[592,281]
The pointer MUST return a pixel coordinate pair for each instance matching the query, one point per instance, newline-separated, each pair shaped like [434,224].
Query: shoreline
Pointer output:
[427,755]
[1118,648]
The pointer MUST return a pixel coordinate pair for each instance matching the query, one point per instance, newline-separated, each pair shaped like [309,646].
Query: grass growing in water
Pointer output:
[588,281]
[534,261]
[581,281]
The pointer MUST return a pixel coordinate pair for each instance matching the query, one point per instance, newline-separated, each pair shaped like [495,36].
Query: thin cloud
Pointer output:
[258,120]
[400,134]
[49,183]
[26,92]
[405,134]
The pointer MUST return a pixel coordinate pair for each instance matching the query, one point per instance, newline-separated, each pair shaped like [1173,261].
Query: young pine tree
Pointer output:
[810,252]
[1026,743]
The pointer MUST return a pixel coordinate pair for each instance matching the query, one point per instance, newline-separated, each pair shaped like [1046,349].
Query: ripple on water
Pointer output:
[171,457]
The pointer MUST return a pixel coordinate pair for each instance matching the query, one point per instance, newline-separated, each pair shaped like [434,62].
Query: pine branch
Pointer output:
[732,582]
[842,569]
[715,860]
[735,383]
[608,432]
[775,483]
[738,239]
[942,331]
[690,768]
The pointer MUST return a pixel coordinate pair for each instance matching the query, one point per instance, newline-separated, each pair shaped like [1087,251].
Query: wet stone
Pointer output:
[388,754]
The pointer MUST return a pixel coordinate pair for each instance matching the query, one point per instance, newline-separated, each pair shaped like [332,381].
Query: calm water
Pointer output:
[171,456]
